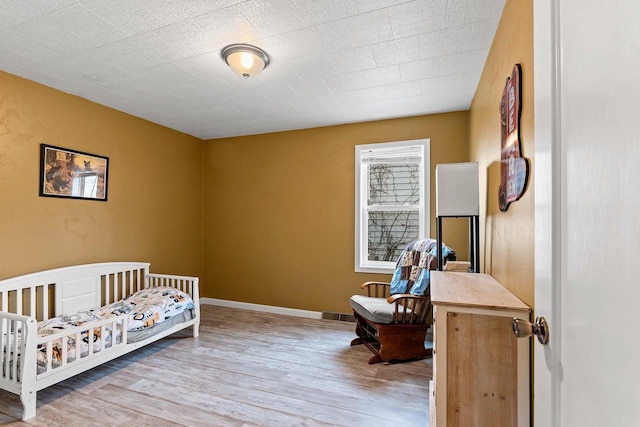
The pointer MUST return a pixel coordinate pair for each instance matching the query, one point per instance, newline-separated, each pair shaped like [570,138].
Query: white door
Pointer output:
[587,190]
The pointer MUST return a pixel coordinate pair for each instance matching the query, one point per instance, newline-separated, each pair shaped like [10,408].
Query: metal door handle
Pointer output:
[524,329]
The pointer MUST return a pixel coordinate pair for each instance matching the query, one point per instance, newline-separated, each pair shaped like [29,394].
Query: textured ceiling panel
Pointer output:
[417,17]
[318,12]
[397,51]
[332,61]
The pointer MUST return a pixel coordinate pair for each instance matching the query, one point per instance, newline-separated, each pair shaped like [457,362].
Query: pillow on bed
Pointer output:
[148,307]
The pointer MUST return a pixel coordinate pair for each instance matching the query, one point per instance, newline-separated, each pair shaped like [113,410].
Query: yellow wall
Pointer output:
[506,237]
[279,210]
[154,207]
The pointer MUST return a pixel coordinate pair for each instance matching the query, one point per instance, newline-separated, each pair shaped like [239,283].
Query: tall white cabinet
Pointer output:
[457,195]
[480,369]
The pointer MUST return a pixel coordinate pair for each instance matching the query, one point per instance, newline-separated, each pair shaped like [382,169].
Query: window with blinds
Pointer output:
[392,201]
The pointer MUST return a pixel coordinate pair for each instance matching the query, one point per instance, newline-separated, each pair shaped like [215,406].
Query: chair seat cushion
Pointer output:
[377,310]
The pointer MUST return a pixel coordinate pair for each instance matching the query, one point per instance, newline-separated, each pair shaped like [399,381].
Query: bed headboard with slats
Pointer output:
[68,290]
[76,295]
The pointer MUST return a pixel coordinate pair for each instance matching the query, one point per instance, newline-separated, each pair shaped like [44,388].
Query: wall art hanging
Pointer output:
[72,174]
[514,168]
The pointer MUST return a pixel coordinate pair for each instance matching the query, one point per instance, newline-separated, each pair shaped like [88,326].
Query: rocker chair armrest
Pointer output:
[376,289]
[410,309]
[406,297]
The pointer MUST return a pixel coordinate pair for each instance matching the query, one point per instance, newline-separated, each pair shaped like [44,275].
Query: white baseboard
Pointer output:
[265,308]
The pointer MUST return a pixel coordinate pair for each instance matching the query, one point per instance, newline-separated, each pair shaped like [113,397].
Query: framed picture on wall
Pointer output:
[72,174]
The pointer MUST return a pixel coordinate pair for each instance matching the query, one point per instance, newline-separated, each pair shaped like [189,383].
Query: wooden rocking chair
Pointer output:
[394,327]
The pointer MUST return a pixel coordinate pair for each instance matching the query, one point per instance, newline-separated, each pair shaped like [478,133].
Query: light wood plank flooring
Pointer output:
[246,369]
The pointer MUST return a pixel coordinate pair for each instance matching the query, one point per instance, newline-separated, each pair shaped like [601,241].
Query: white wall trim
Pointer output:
[264,308]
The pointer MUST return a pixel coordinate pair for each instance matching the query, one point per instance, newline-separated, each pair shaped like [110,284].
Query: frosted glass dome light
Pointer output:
[245,60]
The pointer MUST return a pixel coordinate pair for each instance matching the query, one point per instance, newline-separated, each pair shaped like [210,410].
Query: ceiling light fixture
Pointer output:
[245,60]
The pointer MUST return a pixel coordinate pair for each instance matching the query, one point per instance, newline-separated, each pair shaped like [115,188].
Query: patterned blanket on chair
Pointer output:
[412,270]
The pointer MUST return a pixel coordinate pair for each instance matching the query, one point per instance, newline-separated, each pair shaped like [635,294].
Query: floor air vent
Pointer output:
[341,317]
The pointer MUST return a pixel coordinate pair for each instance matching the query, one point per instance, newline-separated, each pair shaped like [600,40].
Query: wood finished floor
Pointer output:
[246,369]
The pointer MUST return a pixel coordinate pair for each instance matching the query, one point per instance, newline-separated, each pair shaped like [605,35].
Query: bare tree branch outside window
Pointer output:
[390,231]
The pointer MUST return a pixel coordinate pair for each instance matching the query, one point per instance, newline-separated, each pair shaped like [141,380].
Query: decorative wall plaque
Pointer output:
[514,168]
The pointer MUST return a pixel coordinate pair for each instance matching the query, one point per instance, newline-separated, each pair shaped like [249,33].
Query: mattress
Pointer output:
[148,312]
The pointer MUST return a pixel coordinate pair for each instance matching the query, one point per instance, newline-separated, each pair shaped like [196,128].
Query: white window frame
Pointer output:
[396,149]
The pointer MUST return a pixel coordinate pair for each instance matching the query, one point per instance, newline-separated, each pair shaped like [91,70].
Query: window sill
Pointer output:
[378,270]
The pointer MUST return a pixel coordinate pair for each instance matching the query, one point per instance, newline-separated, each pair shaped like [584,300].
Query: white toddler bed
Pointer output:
[57,323]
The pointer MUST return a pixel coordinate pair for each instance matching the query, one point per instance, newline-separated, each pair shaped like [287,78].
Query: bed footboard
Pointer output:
[18,359]
[186,284]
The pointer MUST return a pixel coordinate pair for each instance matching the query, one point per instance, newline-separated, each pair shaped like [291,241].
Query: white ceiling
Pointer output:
[332,61]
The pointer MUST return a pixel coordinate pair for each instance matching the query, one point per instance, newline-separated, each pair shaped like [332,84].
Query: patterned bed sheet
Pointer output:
[147,311]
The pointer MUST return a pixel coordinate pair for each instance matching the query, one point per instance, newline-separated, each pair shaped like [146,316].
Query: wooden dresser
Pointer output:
[480,369]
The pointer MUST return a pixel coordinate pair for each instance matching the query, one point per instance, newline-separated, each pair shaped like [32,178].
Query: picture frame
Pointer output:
[73,174]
